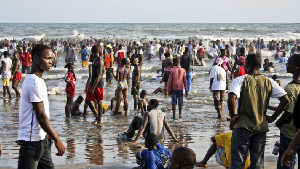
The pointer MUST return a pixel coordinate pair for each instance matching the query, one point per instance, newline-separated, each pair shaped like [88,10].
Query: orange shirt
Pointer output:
[108,59]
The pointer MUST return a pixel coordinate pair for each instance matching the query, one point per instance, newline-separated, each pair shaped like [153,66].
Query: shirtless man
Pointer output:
[135,83]
[95,89]
[16,73]
[122,88]
[167,64]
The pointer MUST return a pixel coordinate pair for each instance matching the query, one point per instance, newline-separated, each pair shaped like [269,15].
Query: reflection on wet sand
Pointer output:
[94,149]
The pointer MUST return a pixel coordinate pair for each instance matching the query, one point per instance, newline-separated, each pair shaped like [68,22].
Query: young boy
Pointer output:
[135,83]
[75,106]
[156,156]
[175,86]
[6,73]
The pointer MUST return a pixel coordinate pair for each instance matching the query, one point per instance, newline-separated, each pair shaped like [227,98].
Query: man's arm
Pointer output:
[44,122]
[168,128]
[285,160]
[284,101]
[142,129]
[211,82]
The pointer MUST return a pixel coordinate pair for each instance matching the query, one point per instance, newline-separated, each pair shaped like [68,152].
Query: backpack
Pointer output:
[296,113]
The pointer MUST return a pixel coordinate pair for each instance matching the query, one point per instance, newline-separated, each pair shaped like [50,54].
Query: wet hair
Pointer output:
[271,64]
[151,139]
[143,93]
[69,65]
[80,98]
[38,49]
[167,55]
[184,157]
[5,53]
[176,61]
[154,102]
[254,61]
[274,77]
[95,49]
[124,61]
[296,60]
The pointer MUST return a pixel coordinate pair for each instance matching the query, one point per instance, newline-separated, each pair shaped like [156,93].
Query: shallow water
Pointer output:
[92,144]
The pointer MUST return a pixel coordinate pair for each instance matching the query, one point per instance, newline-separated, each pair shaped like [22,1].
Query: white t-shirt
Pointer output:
[236,87]
[34,90]
[219,76]
[6,74]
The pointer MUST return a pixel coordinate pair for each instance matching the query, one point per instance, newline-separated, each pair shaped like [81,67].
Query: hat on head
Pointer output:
[219,61]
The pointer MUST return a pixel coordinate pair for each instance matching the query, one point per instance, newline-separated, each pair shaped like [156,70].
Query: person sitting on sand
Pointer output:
[222,147]
[75,106]
[155,157]
[183,157]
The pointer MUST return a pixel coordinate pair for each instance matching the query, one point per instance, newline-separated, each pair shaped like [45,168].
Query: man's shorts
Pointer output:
[17,76]
[98,94]
[84,63]
[135,91]
[24,68]
[166,76]
[70,91]
[218,98]
[6,82]
[177,95]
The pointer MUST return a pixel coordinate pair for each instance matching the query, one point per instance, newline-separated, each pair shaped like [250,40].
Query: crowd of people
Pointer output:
[241,62]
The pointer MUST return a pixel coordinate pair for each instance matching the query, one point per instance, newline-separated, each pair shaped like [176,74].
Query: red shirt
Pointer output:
[25,58]
[176,79]
[71,78]
[121,55]
[242,72]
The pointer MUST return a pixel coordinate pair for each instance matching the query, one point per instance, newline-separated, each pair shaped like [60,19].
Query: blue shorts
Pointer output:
[177,94]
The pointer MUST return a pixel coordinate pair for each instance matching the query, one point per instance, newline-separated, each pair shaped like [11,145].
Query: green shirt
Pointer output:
[289,130]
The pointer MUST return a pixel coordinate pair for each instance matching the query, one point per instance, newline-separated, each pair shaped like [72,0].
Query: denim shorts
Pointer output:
[35,154]
[177,95]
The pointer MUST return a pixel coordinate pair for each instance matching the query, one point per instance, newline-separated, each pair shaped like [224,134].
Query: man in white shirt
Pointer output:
[6,66]
[218,85]
[35,130]
[232,49]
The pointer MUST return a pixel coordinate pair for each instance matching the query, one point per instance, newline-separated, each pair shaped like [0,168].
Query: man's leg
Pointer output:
[29,154]
[180,101]
[125,101]
[217,103]
[100,110]
[257,150]
[173,102]
[135,124]
[189,76]
[240,142]
[284,144]
[46,160]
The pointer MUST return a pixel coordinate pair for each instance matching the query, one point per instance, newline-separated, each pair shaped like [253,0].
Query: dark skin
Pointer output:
[166,63]
[232,101]
[295,70]
[99,65]
[145,121]
[39,65]
[15,69]
[119,77]
[136,79]
[69,99]
[5,88]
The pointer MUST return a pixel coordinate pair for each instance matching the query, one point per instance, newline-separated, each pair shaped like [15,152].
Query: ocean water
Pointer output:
[91,144]
[211,31]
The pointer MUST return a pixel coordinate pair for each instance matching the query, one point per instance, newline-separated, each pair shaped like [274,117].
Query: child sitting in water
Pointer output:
[75,106]
[271,67]
[266,65]
[113,104]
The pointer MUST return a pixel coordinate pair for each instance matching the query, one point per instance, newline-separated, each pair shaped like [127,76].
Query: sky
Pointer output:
[150,11]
